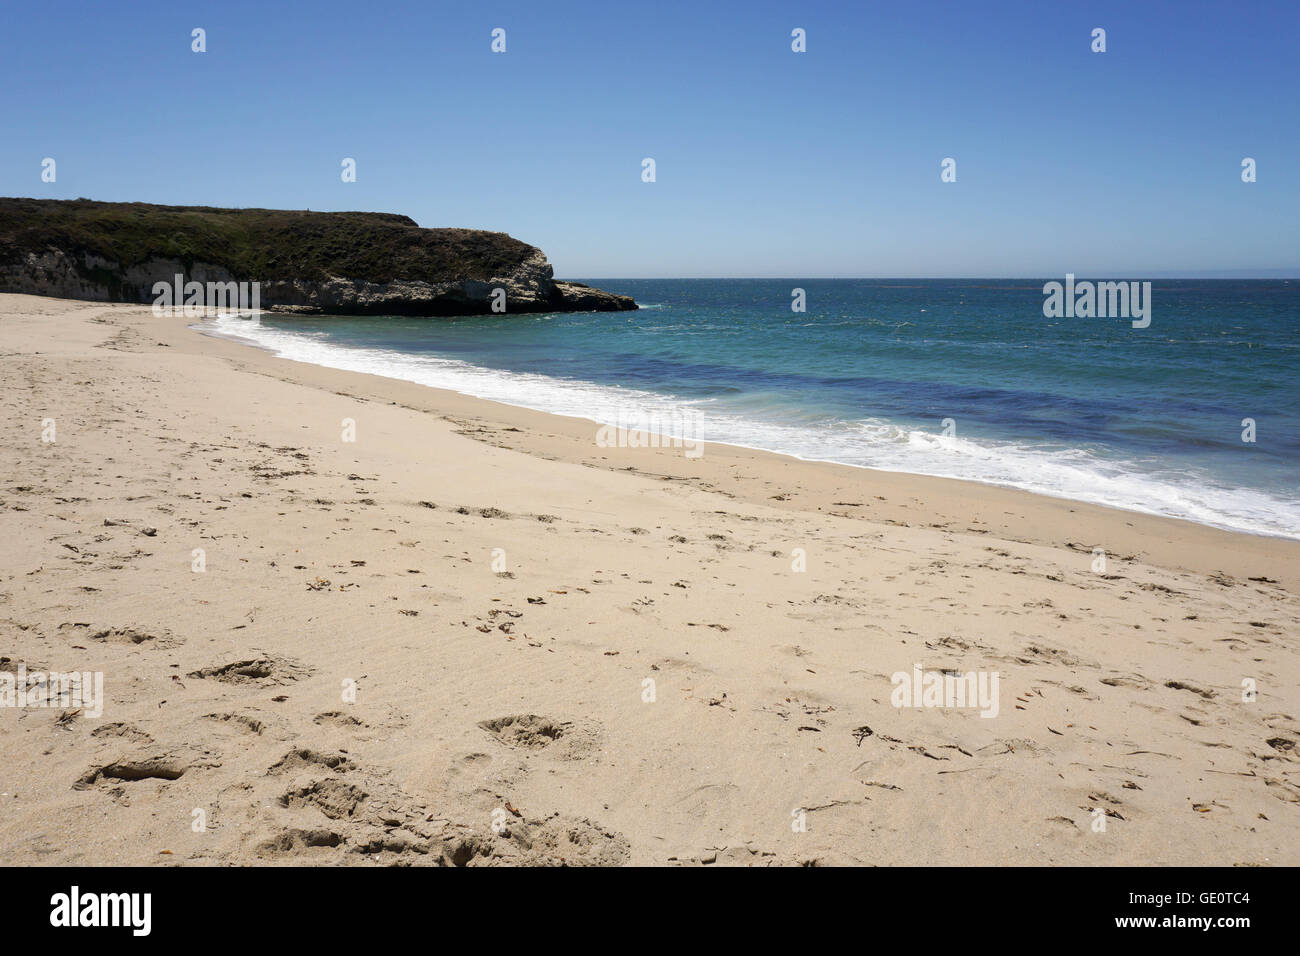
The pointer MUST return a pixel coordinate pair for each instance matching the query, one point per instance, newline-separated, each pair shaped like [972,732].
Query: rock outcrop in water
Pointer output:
[345,263]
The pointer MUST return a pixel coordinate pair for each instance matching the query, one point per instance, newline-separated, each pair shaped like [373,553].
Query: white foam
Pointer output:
[1061,472]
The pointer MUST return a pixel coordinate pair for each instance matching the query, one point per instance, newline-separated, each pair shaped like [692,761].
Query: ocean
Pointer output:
[957,378]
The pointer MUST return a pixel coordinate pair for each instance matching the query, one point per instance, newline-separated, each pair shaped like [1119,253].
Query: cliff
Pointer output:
[346,263]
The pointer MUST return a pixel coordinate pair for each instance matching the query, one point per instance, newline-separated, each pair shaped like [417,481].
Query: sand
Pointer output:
[472,636]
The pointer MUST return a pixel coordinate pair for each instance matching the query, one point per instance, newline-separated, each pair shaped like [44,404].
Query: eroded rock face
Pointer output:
[314,263]
[530,287]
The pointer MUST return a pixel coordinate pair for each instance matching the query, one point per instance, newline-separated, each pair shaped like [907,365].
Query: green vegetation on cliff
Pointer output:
[256,244]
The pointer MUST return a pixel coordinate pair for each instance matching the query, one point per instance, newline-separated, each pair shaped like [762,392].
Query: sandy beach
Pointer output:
[472,636]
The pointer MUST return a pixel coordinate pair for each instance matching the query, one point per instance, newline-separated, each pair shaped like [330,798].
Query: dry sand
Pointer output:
[519,697]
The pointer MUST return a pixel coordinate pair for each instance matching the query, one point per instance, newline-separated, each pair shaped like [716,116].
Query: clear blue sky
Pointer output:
[770,163]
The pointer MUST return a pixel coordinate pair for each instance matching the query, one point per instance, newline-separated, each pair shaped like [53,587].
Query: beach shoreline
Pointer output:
[615,424]
[573,439]
[616,566]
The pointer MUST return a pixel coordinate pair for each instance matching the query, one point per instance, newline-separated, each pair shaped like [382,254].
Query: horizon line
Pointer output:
[1225,276]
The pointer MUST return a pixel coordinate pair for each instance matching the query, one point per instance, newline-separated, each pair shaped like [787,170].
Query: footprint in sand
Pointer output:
[303,759]
[336,718]
[570,741]
[150,768]
[258,670]
[123,731]
[241,722]
[334,798]
[294,842]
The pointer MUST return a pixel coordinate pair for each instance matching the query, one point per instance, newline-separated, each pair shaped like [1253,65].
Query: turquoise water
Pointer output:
[1085,408]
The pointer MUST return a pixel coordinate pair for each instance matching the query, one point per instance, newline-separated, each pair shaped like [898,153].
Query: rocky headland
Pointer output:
[342,263]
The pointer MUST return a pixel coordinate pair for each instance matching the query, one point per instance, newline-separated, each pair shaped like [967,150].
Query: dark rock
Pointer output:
[344,263]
